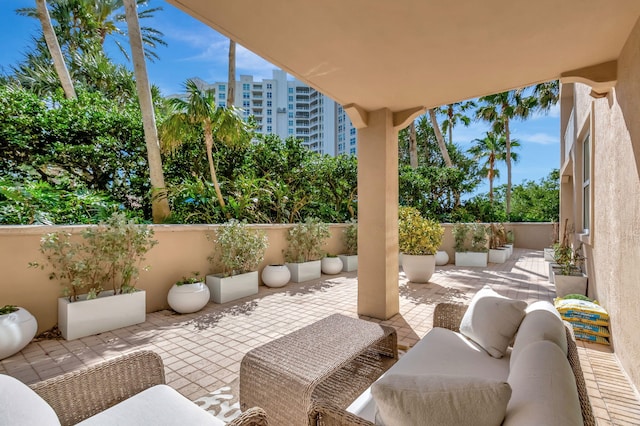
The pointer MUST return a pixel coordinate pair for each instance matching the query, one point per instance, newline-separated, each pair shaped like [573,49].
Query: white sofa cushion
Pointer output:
[543,388]
[20,405]
[541,322]
[492,320]
[158,405]
[439,400]
[441,351]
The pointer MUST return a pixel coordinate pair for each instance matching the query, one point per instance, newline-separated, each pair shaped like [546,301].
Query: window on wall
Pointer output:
[586,184]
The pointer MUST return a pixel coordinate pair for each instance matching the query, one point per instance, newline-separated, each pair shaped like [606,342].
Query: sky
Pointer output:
[196,50]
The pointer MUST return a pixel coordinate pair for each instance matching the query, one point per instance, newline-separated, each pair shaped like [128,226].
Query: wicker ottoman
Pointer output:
[335,359]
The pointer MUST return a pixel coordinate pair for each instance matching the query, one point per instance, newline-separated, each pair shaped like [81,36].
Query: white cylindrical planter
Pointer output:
[276,275]
[331,265]
[442,258]
[417,268]
[16,331]
[188,298]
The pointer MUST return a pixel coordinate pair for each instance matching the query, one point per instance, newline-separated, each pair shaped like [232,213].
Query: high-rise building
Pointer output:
[291,108]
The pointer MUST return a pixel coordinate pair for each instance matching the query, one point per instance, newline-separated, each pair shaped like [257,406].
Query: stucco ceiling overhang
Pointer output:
[406,54]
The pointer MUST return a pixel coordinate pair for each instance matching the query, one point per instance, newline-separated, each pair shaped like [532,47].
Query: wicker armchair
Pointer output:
[81,394]
[449,315]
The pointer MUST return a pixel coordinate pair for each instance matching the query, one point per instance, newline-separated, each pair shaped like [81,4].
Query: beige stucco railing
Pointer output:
[182,249]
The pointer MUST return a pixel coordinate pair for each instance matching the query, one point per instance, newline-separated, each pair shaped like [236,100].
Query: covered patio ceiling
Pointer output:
[405,54]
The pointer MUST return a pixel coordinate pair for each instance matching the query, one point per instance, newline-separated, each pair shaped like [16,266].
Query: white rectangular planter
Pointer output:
[509,248]
[305,271]
[570,284]
[548,254]
[349,262]
[226,289]
[105,313]
[471,258]
[498,255]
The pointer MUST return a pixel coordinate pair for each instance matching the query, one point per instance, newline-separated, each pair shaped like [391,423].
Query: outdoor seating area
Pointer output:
[203,352]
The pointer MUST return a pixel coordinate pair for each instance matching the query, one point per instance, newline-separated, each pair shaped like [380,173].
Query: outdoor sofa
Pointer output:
[492,378]
[128,390]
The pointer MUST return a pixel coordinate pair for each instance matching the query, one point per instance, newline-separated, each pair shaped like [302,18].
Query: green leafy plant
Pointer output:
[108,254]
[510,237]
[478,238]
[305,241]
[240,249]
[195,278]
[418,235]
[460,231]
[7,309]
[350,238]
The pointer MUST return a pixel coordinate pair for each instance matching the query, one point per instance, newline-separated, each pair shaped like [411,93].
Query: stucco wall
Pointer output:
[613,250]
[182,249]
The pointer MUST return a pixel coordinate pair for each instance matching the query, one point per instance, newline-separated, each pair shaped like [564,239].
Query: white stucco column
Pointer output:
[378,216]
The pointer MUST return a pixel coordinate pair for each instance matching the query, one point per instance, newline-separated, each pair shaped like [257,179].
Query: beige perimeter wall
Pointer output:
[182,249]
[613,251]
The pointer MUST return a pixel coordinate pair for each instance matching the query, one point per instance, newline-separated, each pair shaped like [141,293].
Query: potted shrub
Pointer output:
[549,251]
[350,257]
[188,294]
[331,264]
[419,239]
[470,244]
[239,252]
[98,275]
[510,240]
[497,238]
[17,328]
[568,277]
[303,252]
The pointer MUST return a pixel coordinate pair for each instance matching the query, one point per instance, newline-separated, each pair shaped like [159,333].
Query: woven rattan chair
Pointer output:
[81,394]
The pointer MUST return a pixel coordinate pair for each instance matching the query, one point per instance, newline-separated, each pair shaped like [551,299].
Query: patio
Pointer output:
[202,351]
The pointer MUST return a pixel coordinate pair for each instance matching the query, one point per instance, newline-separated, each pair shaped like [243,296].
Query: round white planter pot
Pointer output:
[442,258]
[418,269]
[331,265]
[16,331]
[188,298]
[276,275]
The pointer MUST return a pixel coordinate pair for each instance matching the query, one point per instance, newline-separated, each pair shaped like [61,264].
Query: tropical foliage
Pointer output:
[418,235]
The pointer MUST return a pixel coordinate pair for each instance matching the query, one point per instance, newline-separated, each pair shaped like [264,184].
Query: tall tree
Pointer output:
[499,110]
[413,146]
[439,137]
[159,202]
[83,23]
[456,113]
[231,83]
[200,110]
[54,49]
[492,148]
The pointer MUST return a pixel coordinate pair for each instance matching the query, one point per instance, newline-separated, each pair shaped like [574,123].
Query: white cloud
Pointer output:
[539,138]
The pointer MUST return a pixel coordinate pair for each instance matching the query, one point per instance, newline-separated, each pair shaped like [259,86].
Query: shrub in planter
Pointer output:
[239,251]
[304,249]
[188,294]
[104,262]
[419,239]
[470,242]
[350,257]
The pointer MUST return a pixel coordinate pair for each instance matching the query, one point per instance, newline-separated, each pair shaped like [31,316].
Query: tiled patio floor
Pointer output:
[202,351]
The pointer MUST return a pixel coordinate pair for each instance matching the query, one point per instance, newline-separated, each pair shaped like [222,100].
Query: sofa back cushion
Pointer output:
[492,320]
[439,400]
[541,322]
[20,405]
[543,387]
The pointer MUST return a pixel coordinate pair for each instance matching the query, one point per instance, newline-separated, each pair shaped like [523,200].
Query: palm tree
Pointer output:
[455,113]
[231,97]
[159,202]
[81,23]
[499,110]
[493,148]
[547,94]
[42,13]
[200,109]
[439,137]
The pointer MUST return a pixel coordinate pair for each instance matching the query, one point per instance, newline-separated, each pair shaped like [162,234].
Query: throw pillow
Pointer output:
[425,400]
[492,320]
[20,405]
[541,322]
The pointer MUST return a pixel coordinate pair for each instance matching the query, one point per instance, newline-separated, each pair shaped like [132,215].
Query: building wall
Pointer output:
[612,247]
